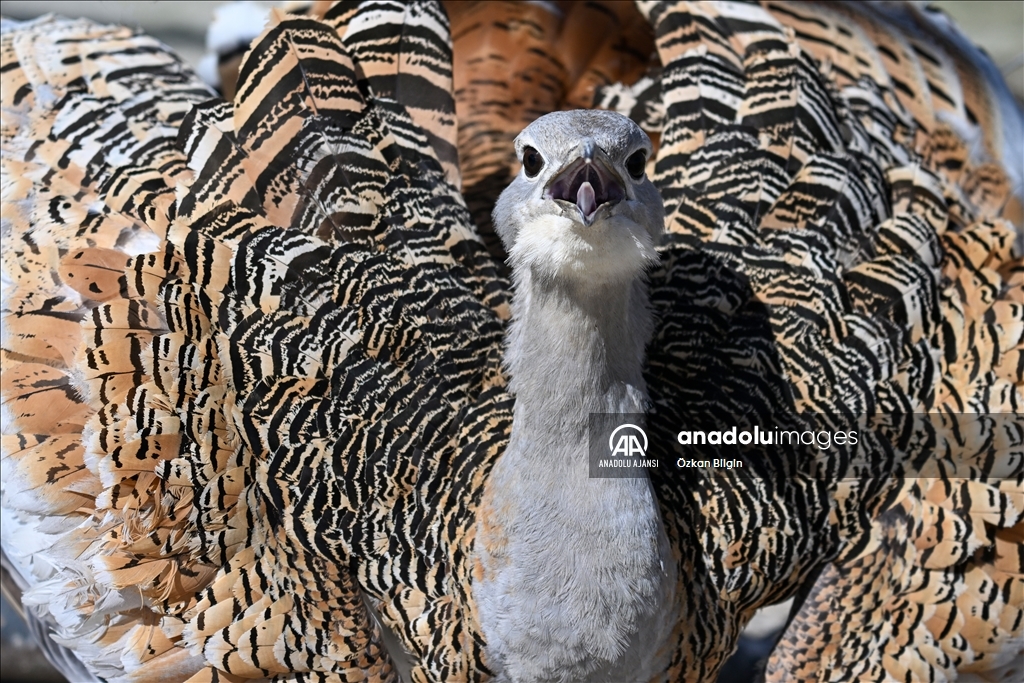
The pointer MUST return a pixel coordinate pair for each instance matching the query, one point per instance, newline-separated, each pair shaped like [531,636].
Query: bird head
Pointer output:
[582,206]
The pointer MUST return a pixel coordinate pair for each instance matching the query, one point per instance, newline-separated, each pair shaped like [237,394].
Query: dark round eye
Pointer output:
[532,161]
[636,163]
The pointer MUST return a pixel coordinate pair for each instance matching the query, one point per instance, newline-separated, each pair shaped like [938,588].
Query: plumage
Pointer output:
[254,351]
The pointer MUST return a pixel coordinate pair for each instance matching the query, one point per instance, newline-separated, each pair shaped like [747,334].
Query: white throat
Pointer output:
[574,577]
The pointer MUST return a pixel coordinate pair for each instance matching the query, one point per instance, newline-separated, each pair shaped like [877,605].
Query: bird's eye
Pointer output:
[532,162]
[636,163]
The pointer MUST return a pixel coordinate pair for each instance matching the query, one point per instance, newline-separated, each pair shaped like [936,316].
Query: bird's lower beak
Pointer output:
[588,183]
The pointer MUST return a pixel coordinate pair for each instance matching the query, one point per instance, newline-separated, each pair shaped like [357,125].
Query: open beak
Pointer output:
[588,183]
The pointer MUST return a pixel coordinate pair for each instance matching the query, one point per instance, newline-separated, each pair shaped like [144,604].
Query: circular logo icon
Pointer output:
[631,441]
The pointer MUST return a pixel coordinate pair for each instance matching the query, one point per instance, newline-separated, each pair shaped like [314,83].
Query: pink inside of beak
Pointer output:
[588,185]
[585,199]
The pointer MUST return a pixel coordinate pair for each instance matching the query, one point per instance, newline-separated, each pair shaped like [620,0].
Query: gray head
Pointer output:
[582,207]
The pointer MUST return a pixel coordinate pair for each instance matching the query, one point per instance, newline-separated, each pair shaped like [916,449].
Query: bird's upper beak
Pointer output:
[588,183]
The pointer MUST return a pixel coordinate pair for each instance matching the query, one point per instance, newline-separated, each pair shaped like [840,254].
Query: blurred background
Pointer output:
[998,27]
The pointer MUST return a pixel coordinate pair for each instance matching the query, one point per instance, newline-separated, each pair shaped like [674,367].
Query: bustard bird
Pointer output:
[253,383]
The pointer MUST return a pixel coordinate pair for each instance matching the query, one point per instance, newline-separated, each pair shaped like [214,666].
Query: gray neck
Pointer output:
[573,349]
[575,580]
